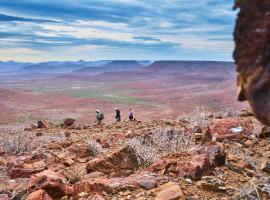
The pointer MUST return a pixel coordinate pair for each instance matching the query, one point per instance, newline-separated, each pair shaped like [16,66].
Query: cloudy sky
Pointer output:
[41,30]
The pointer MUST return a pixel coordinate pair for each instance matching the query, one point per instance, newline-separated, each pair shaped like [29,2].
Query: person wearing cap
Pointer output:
[117,115]
[99,116]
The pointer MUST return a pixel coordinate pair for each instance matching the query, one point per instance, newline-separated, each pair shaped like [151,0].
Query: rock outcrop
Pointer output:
[120,162]
[252,55]
[55,184]
[25,166]
[230,128]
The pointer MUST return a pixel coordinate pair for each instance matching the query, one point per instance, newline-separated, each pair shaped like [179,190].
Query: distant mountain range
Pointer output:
[88,68]
[113,66]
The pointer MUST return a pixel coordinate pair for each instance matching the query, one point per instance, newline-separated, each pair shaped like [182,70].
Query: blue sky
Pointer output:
[42,30]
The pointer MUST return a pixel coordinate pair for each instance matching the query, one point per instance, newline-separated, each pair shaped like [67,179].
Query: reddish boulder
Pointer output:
[118,163]
[43,124]
[183,165]
[55,184]
[146,180]
[39,195]
[26,166]
[229,128]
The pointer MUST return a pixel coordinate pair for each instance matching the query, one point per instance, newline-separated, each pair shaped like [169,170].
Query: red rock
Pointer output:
[182,165]
[116,164]
[39,195]
[55,184]
[25,166]
[69,121]
[169,191]
[215,153]
[115,185]
[43,124]
[229,128]
[79,150]
[58,145]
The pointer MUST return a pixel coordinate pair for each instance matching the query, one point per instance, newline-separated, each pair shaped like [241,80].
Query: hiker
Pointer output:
[117,115]
[99,117]
[131,114]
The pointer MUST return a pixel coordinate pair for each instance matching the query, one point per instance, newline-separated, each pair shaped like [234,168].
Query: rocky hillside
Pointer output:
[205,156]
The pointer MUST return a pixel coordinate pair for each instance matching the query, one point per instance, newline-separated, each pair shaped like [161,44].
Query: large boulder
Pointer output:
[145,180]
[185,165]
[121,162]
[229,128]
[25,166]
[252,50]
[55,184]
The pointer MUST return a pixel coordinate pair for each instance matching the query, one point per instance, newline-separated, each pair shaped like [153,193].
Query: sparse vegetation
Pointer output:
[150,148]
[16,142]
[95,148]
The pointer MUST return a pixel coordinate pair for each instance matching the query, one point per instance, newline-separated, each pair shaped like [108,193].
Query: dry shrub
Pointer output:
[202,118]
[150,148]
[95,148]
[16,142]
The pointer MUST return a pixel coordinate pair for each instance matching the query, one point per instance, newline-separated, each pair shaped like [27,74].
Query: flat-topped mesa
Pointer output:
[252,55]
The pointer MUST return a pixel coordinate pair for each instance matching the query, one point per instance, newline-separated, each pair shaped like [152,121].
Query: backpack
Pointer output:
[101,116]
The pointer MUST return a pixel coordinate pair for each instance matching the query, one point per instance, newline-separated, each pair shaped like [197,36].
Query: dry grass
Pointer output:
[16,142]
[160,143]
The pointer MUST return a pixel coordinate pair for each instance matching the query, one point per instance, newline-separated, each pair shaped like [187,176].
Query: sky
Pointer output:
[61,30]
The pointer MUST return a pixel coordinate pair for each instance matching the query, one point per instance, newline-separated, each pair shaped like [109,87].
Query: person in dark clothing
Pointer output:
[117,115]
[99,117]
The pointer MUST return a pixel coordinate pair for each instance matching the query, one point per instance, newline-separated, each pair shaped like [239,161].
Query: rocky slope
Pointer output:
[207,156]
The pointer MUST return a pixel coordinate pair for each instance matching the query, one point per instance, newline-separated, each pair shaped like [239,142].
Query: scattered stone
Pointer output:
[211,183]
[39,134]
[266,166]
[216,154]
[248,144]
[116,163]
[198,136]
[69,121]
[43,124]
[265,133]
[67,134]
[39,195]
[169,191]
[2,152]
